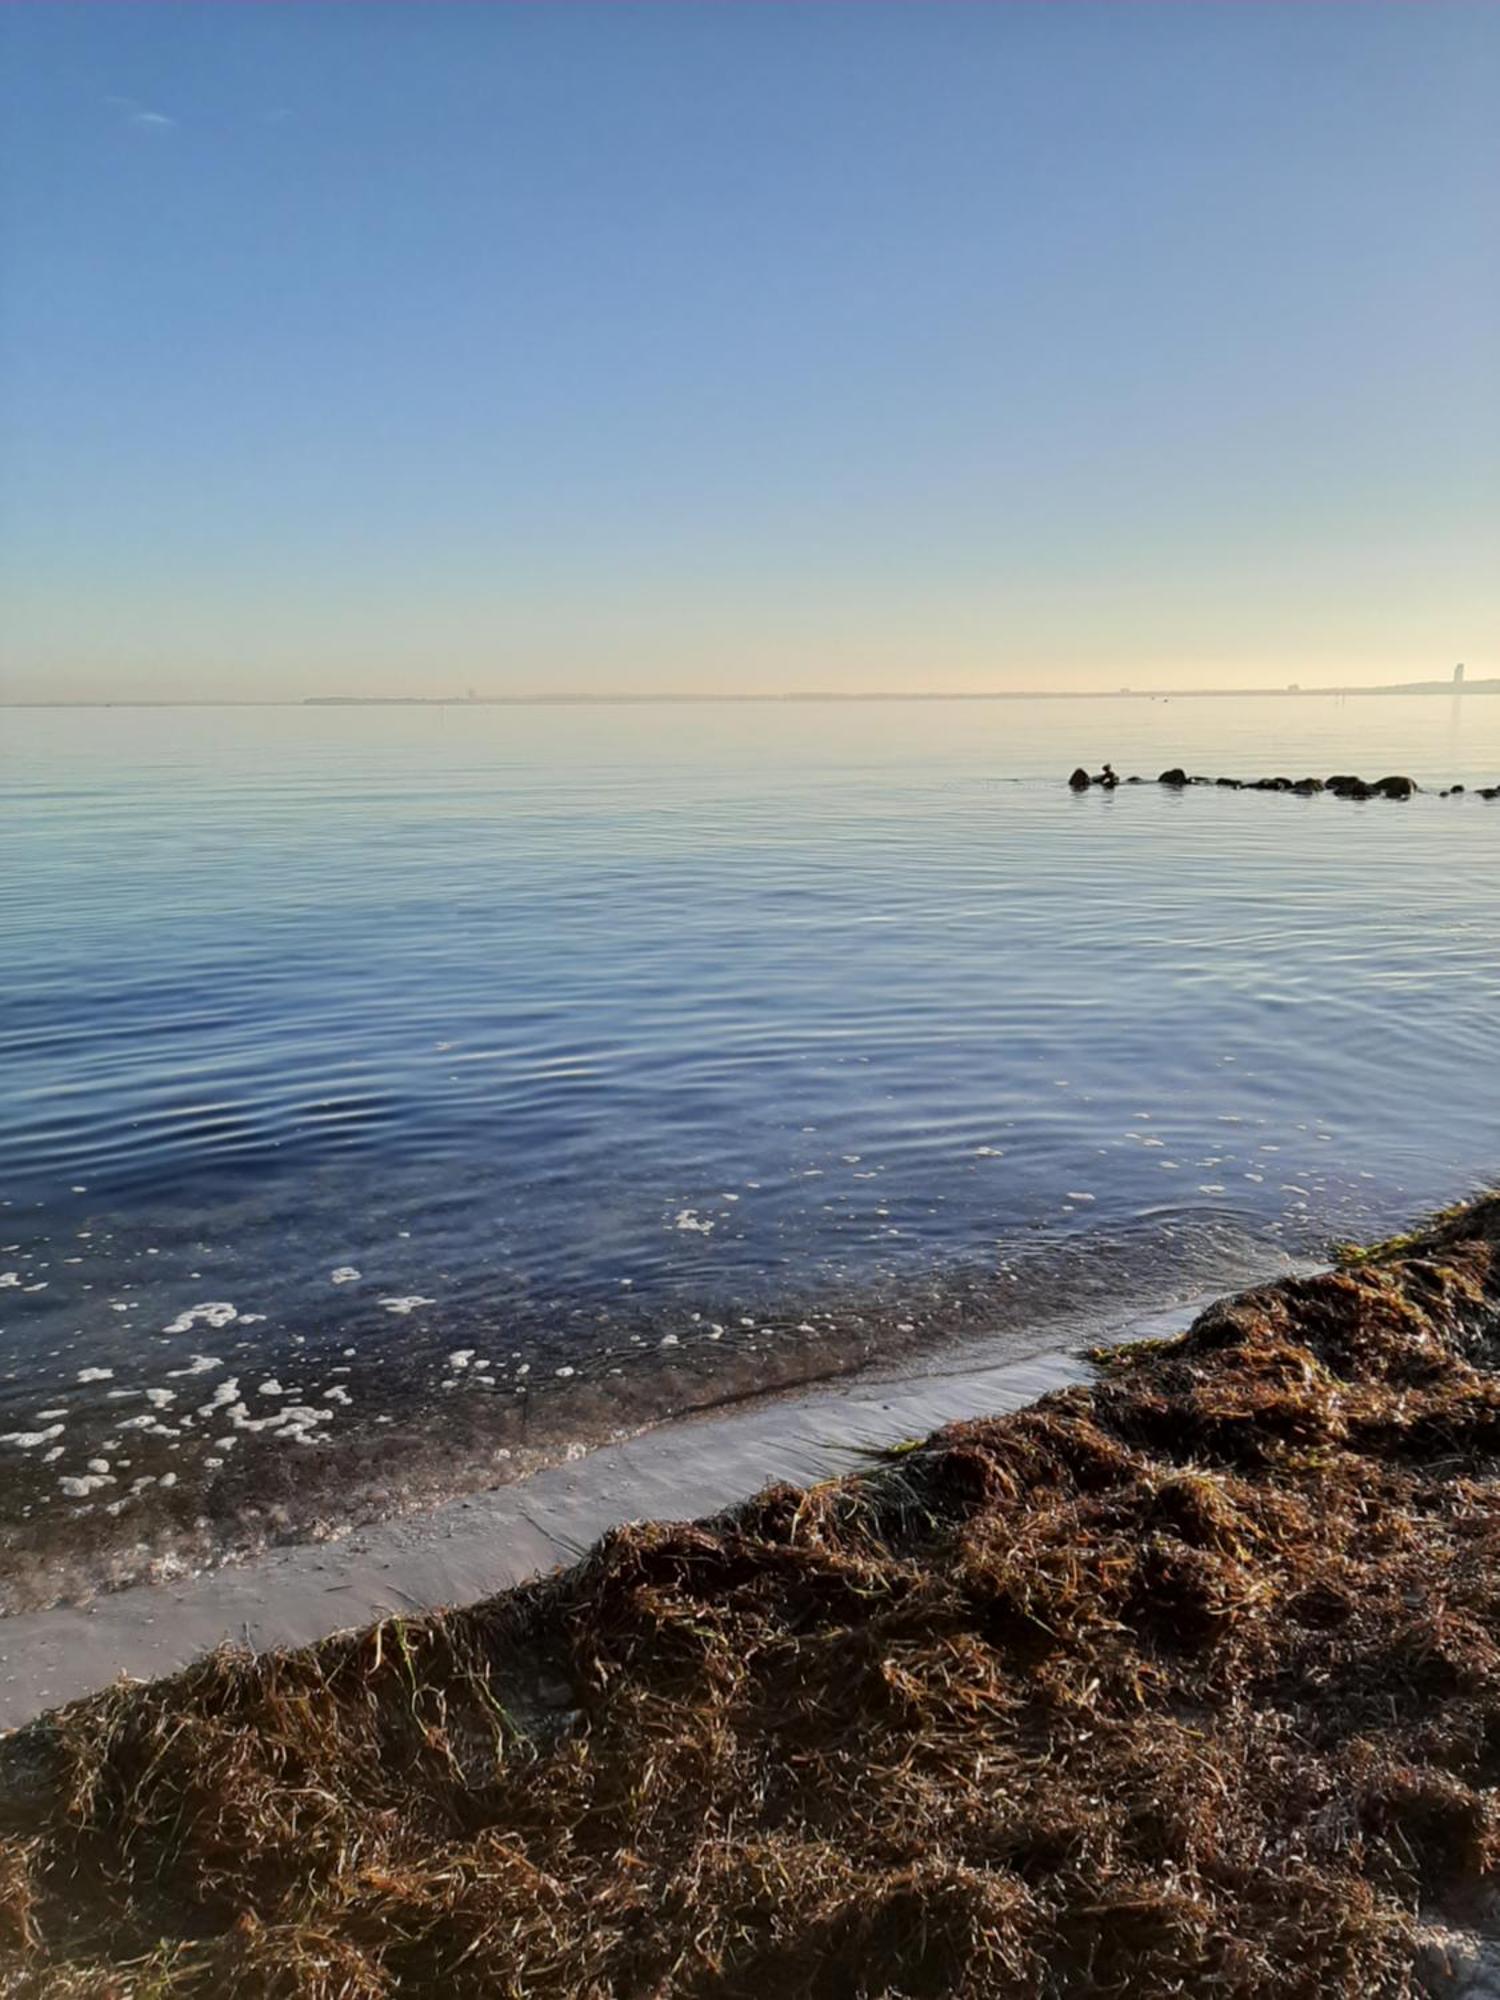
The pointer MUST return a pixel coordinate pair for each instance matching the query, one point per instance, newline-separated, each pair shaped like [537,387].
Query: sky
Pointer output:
[576,348]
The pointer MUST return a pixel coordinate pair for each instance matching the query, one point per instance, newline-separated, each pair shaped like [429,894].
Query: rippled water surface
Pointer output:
[450,1048]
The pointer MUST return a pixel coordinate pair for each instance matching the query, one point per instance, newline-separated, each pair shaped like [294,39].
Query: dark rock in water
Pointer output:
[1453,791]
[1489,791]
[1343,785]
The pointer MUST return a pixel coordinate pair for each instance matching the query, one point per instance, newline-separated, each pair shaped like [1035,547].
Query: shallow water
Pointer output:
[638,1056]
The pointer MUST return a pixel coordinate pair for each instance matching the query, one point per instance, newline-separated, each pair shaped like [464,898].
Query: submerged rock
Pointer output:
[1394,788]
[1176,777]
[1080,780]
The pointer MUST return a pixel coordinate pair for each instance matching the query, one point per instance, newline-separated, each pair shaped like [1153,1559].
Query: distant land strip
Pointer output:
[1449,687]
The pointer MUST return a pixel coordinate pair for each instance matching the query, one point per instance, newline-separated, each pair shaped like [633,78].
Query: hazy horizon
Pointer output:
[410,350]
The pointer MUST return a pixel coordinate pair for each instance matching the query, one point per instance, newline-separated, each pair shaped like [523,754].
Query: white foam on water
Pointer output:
[29,1440]
[81,1488]
[215,1313]
[344,1275]
[201,1364]
[461,1357]
[689,1218]
[96,1374]
[403,1306]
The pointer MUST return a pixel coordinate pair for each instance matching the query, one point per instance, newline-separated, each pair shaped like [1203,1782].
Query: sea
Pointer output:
[393,1098]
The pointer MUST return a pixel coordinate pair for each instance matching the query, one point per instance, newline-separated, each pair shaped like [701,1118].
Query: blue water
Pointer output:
[594,1028]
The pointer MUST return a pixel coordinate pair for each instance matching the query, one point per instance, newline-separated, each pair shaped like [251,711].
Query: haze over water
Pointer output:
[542,1037]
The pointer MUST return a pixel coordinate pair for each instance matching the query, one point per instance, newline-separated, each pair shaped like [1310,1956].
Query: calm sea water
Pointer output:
[399,1086]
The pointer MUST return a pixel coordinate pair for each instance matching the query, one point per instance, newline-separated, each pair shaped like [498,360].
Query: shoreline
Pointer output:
[349,1445]
[689,1463]
[1181,1678]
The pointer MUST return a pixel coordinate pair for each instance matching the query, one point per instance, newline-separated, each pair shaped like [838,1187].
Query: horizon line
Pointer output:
[1488,685]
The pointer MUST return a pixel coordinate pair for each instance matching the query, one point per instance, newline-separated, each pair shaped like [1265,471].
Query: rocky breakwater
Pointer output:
[1343,785]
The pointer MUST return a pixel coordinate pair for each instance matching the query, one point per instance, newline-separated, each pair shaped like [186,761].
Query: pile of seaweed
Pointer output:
[1186,1682]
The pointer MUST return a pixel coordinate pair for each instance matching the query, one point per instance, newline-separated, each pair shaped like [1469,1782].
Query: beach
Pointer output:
[1181,1678]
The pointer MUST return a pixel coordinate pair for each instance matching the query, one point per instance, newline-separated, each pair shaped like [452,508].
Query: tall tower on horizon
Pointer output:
[1458,675]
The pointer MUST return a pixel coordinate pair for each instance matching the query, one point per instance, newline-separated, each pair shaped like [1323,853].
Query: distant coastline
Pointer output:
[1491,685]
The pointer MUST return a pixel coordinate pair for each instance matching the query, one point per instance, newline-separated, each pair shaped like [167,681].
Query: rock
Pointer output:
[1453,791]
[1230,784]
[1135,781]
[1272,785]
[1079,782]
[1489,791]
[1307,786]
[1349,788]
[1393,788]
[1176,777]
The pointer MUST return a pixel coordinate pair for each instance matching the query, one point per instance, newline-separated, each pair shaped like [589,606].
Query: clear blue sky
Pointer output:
[420,347]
